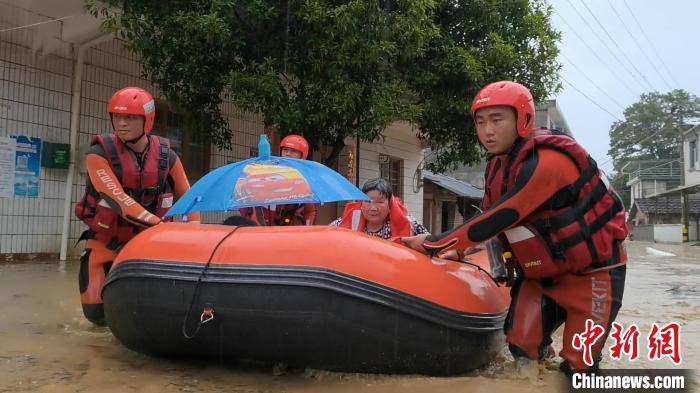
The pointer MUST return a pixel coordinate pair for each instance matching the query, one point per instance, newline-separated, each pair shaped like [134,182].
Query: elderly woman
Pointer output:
[382,216]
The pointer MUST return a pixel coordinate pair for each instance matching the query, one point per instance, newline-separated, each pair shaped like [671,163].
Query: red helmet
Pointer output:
[514,95]
[134,101]
[296,142]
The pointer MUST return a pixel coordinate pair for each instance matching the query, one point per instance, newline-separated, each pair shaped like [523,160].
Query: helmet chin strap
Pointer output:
[138,138]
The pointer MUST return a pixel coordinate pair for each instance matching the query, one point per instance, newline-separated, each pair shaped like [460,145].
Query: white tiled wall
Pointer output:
[399,141]
[35,100]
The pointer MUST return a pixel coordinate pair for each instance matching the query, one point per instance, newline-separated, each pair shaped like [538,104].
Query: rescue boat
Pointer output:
[318,297]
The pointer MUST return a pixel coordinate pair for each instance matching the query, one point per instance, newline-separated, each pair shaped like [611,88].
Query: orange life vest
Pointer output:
[582,225]
[145,185]
[400,225]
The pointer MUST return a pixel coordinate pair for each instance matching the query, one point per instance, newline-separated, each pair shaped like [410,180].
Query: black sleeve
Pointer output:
[97,149]
[172,158]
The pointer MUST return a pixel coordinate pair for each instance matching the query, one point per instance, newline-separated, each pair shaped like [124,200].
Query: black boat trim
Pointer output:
[309,277]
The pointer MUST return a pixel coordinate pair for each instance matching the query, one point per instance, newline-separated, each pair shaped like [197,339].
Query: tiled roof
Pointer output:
[459,187]
[666,205]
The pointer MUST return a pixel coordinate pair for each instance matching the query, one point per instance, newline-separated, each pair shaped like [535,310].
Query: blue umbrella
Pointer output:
[263,181]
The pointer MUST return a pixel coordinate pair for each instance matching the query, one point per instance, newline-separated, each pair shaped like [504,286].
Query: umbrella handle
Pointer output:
[196,200]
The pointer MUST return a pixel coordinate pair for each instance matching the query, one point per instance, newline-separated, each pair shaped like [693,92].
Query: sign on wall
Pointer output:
[27,166]
[8,149]
[55,155]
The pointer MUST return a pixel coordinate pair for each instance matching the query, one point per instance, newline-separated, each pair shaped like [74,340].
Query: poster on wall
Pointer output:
[27,166]
[8,148]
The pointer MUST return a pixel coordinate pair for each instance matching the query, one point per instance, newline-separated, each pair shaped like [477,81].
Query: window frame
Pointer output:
[191,152]
[394,166]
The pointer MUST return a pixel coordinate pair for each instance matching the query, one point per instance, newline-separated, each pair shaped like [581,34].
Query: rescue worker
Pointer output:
[132,179]
[383,216]
[294,146]
[558,220]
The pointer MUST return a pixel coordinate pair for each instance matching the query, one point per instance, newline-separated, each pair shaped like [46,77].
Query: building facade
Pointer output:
[53,91]
[650,177]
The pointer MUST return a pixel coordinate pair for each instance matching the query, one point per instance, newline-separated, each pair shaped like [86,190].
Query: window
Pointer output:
[193,151]
[693,162]
[391,169]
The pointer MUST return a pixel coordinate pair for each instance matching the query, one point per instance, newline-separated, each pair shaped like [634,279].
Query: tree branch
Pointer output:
[338,146]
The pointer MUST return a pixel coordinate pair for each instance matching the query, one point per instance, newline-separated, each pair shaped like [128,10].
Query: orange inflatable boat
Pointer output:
[318,297]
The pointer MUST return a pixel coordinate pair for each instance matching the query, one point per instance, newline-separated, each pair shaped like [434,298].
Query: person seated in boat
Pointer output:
[133,178]
[239,221]
[560,225]
[382,216]
[294,146]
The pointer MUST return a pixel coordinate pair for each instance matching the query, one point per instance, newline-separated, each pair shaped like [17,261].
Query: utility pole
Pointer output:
[684,196]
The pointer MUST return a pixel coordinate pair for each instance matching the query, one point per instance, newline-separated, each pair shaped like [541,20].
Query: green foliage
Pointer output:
[618,180]
[652,126]
[336,69]
[480,41]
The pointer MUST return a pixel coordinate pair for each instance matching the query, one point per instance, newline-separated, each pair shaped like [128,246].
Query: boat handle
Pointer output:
[207,315]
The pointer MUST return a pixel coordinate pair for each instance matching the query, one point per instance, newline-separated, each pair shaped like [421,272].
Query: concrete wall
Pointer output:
[635,191]
[692,170]
[693,229]
[643,232]
[667,233]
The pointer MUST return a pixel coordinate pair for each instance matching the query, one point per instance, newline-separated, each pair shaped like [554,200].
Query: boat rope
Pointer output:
[208,309]
[485,272]
[465,261]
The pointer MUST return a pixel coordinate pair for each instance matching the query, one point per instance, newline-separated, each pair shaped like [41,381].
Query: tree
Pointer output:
[336,69]
[479,42]
[652,127]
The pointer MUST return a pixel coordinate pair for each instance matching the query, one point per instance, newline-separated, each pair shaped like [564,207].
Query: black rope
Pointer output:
[197,286]
[466,262]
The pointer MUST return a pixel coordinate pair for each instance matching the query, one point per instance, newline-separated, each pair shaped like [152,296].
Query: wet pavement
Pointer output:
[47,346]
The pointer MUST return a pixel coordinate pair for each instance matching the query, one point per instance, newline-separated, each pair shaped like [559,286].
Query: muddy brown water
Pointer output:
[47,346]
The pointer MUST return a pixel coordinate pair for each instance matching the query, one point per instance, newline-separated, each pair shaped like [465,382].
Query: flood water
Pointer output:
[47,346]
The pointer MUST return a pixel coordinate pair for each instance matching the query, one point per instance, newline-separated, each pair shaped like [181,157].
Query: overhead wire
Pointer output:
[622,108]
[600,164]
[605,44]
[642,140]
[622,52]
[651,45]
[653,66]
[595,53]
[591,100]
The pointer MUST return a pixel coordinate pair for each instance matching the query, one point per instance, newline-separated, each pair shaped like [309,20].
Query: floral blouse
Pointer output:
[385,231]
